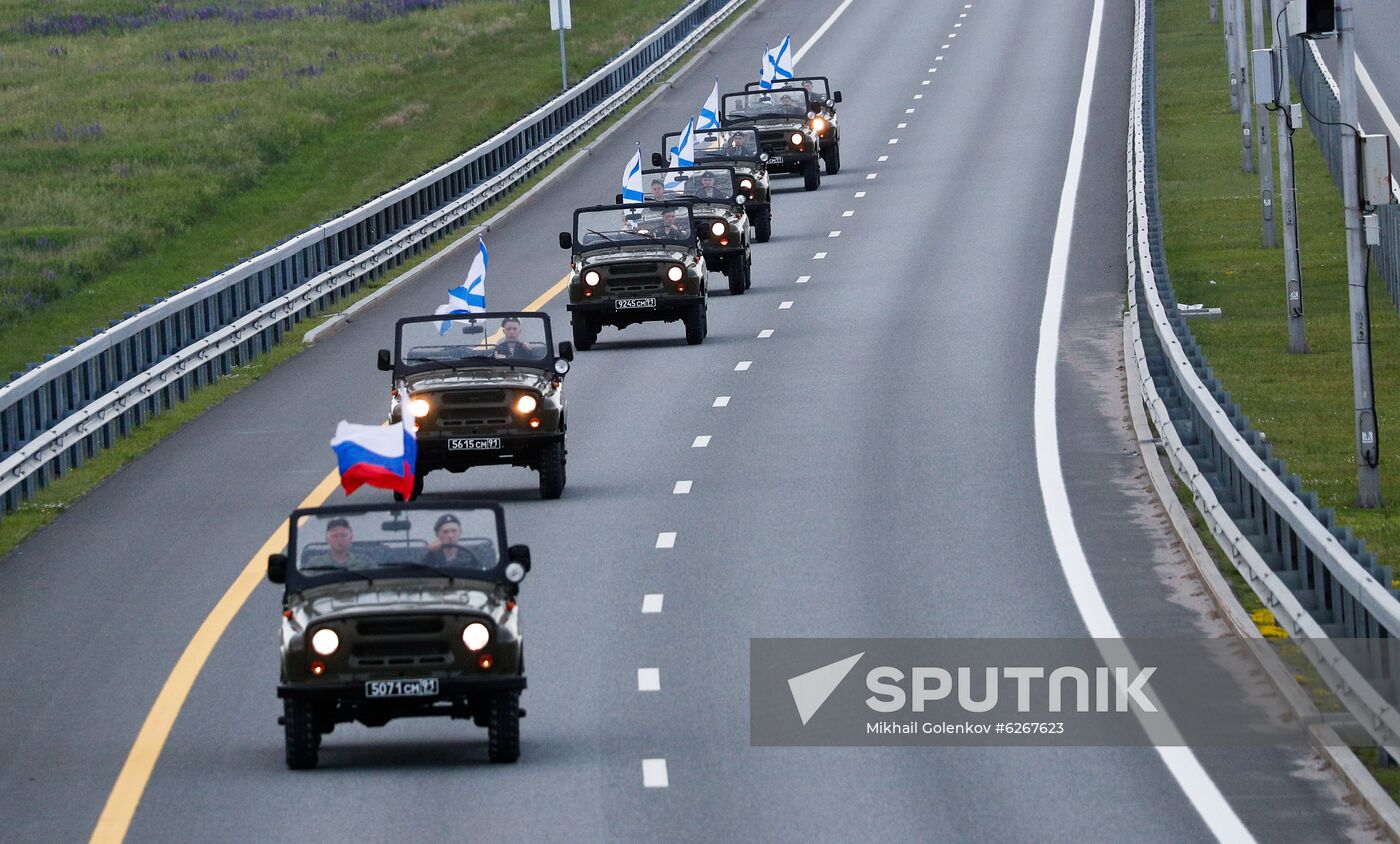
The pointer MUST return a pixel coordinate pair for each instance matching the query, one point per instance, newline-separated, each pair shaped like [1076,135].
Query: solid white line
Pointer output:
[701,441]
[821,255]
[681,488]
[1382,109]
[803,279]
[848,213]
[654,770]
[765,334]
[652,601]
[743,366]
[666,539]
[783,306]
[721,401]
[835,233]
[1195,783]
[821,30]
[648,679]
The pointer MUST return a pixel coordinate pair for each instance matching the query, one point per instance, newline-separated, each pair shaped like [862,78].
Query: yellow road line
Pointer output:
[115,821]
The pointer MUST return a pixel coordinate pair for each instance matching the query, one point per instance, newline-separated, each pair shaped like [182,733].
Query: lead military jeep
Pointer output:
[784,124]
[718,209]
[486,389]
[737,148]
[399,611]
[635,263]
[821,101]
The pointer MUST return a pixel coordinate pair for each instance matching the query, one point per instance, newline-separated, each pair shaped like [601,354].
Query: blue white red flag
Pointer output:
[383,456]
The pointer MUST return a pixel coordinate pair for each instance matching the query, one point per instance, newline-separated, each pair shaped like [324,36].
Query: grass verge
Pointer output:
[1211,228]
[143,150]
[48,504]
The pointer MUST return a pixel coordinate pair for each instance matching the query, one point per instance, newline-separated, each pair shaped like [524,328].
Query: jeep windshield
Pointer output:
[814,86]
[487,339]
[633,225]
[721,144]
[336,544]
[765,105]
[704,184]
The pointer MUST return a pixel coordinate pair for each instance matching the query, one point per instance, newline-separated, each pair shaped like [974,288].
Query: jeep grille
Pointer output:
[631,269]
[399,626]
[405,652]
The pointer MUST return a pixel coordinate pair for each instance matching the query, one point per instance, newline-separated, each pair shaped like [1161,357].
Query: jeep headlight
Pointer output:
[746,184]
[419,407]
[525,404]
[476,636]
[819,124]
[676,273]
[717,228]
[796,139]
[325,641]
[591,278]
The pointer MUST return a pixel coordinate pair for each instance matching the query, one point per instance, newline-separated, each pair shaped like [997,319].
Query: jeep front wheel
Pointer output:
[812,174]
[832,156]
[585,332]
[738,274]
[552,470]
[303,735]
[695,327]
[503,730]
[763,227]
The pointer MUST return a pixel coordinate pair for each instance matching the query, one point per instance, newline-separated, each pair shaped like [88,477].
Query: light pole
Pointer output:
[561,18]
[1241,73]
[1266,157]
[1292,265]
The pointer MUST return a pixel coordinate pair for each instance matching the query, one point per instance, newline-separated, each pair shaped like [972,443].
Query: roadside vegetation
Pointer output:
[146,146]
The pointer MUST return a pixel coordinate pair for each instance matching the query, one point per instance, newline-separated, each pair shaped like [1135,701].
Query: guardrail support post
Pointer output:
[1368,455]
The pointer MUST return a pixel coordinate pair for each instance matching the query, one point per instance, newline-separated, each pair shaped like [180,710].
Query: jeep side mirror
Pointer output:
[385,362]
[519,554]
[657,160]
[618,199]
[836,97]
[566,350]
[566,241]
[277,568]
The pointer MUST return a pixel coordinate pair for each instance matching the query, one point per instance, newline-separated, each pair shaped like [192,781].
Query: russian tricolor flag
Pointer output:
[382,456]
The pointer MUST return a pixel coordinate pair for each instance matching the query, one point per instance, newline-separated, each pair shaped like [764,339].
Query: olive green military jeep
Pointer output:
[737,148]
[486,389]
[718,208]
[399,611]
[824,121]
[784,124]
[635,263]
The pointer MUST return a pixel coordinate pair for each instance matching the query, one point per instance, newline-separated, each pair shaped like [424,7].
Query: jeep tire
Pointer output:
[811,174]
[552,470]
[303,735]
[585,332]
[503,728]
[738,274]
[763,227]
[696,325]
[832,156]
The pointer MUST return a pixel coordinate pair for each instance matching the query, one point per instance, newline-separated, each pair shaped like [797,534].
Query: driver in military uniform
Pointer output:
[667,227]
[708,189]
[339,553]
[512,346]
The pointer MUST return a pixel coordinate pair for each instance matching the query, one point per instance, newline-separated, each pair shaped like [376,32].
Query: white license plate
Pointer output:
[474,444]
[426,687]
[775,159]
[624,304]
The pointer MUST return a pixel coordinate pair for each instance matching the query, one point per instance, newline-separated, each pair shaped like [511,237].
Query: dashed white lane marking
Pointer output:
[956,25]
[909,111]
[860,194]
[882,159]
[968,6]
[945,46]
[894,141]
[933,70]
[821,255]
[952,35]
[803,279]
[869,176]
[721,401]
[929,81]
[902,126]
[652,601]
[666,539]
[654,773]
[836,233]
[848,213]
[937,59]
[963,15]
[785,305]
[743,366]
[681,488]
[648,679]
[701,441]
[918,96]
[765,334]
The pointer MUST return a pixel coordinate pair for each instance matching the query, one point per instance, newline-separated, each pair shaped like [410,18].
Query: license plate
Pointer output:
[775,159]
[426,687]
[624,304]
[474,444]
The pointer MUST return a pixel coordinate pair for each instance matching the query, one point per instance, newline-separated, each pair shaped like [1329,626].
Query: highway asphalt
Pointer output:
[873,473]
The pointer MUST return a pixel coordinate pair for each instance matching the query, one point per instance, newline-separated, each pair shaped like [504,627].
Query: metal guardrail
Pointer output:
[1319,92]
[1318,580]
[84,399]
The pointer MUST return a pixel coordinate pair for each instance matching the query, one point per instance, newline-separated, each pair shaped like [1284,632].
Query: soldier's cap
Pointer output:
[338,521]
[707,175]
[446,519]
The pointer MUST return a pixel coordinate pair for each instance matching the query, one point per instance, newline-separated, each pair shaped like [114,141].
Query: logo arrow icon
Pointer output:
[810,690]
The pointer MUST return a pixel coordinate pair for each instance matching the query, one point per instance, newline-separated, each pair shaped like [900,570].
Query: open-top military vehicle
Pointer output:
[399,611]
[717,208]
[486,389]
[784,124]
[737,148]
[821,101]
[635,263]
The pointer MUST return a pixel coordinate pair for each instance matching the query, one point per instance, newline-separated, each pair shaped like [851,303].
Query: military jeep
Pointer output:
[635,263]
[718,209]
[821,101]
[783,121]
[399,611]
[737,148]
[487,389]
